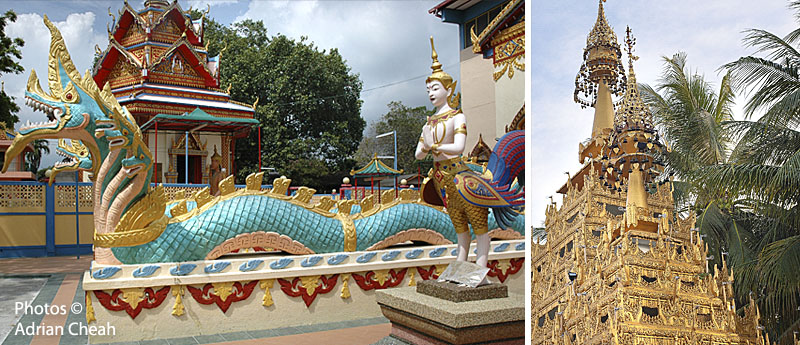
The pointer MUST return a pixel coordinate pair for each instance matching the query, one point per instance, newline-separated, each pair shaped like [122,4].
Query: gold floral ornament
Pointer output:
[447,81]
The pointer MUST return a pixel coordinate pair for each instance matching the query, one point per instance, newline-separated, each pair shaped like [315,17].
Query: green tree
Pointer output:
[34,159]
[408,123]
[741,178]
[308,103]
[9,51]
[764,170]
[691,116]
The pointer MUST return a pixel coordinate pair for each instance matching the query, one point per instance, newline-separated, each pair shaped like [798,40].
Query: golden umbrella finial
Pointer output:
[601,63]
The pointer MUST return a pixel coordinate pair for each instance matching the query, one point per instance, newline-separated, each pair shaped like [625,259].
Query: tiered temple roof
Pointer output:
[157,62]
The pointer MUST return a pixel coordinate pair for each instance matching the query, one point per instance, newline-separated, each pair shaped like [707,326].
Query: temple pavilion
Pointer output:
[157,66]
[372,172]
[619,264]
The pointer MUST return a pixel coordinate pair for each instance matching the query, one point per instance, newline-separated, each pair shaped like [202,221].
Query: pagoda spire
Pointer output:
[632,113]
[601,75]
[631,162]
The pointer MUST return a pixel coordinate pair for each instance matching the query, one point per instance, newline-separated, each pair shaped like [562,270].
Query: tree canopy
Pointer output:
[408,123]
[9,51]
[308,102]
[738,177]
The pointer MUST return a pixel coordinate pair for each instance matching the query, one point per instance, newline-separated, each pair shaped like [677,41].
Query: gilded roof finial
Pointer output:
[601,62]
[631,162]
[633,113]
[630,41]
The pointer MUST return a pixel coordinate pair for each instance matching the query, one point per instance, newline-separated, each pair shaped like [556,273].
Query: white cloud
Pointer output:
[80,38]
[203,4]
[384,42]
[709,32]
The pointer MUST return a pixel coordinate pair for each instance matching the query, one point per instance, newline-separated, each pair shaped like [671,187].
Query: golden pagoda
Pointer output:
[619,265]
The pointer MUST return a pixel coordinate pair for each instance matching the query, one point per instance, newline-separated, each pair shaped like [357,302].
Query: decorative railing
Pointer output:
[22,197]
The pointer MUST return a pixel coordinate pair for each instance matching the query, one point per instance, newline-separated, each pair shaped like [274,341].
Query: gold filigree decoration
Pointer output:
[280,186]
[304,194]
[411,280]
[226,186]
[345,286]
[179,209]
[223,290]
[349,229]
[477,39]
[142,223]
[133,296]
[367,203]
[177,308]
[326,203]
[202,197]
[503,265]
[89,309]
[253,181]
[310,283]
[439,269]
[381,276]
[266,285]
[508,66]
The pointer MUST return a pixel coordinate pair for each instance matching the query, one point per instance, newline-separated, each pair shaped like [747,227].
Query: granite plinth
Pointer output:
[421,319]
[458,293]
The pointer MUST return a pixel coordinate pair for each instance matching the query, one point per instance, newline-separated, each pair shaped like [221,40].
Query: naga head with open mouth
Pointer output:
[75,107]
[78,154]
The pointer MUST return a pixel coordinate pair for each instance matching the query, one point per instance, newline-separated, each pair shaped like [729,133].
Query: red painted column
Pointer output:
[156,162]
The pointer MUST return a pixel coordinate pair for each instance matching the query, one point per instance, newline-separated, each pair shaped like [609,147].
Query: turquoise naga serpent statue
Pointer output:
[135,223]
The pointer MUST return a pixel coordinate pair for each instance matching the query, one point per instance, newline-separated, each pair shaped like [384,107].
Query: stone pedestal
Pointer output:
[445,313]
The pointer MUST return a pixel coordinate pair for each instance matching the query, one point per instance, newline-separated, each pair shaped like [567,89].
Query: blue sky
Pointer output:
[383,41]
[708,31]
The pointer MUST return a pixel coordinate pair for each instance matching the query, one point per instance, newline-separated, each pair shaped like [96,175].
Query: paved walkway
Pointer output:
[56,281]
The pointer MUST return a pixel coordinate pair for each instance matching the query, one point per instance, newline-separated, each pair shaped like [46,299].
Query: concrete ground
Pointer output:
[56,281]
[14,290]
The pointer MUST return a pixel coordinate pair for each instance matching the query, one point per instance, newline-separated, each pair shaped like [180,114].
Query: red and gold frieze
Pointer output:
[132,300]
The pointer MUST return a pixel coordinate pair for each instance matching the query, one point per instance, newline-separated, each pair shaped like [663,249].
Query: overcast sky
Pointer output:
[708,31]
[385,42]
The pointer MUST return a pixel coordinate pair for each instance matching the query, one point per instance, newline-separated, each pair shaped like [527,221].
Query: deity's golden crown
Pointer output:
[454,100]
[438,73]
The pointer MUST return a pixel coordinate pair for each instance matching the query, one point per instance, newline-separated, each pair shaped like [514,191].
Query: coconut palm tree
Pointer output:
[690,116]
[730,173]
[762,175]
[34,159]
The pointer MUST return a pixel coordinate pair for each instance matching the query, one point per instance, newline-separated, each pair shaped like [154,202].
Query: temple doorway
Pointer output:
[195,169]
